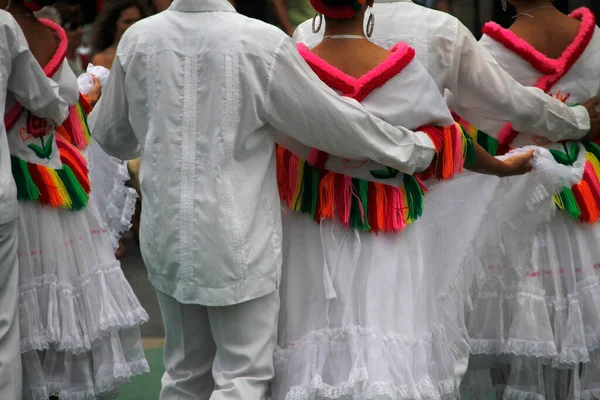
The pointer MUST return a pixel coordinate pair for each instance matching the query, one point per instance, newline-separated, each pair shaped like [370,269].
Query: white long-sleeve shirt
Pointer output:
[481,90]
[199,92]
[21,75]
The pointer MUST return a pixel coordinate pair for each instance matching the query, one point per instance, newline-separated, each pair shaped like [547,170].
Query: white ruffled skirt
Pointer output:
[536,331]
[115,201]
[79,317]
[367,316]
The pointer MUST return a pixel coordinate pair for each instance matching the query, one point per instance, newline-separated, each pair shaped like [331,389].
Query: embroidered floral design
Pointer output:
[36,127]
[45,151]
[389,174]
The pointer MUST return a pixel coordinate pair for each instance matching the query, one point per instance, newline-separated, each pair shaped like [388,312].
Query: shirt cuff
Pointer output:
[425,146]
[583,121]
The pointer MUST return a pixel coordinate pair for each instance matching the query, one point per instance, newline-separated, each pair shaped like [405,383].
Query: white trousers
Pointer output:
[11,380]
[219,353]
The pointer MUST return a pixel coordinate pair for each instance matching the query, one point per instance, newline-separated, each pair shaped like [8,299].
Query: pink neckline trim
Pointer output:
[553,69]
[49,69]
[359,88]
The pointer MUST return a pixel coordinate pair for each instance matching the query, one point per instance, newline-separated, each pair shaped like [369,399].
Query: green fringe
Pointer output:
[26,187]
[309,190]
[570,203]
[79,198]
[470,156]
[488,143]
[593,148]
[360,220]
[414,197]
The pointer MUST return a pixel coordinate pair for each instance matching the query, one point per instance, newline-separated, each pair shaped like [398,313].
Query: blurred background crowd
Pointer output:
[94,27]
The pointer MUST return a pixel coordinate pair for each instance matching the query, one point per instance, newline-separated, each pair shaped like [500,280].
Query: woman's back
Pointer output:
[42,41]
[550,32]
[353,57]
[554,52]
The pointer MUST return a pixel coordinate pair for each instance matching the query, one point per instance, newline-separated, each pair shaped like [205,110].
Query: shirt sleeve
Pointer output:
[109,121]
[304,108]
[482,90]
[28,82]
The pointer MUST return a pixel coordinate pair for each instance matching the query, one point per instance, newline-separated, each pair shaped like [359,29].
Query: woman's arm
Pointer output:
[488,165]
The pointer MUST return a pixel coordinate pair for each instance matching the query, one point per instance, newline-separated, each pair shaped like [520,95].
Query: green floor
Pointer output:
[146,387]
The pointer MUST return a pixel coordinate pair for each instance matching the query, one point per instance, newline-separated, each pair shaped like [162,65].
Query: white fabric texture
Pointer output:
[10,357]
[221,353]
[86,81]
[115,200]
[458,65]
[539,330]
[79,318]
[23,78]
[368,316]
[202,112]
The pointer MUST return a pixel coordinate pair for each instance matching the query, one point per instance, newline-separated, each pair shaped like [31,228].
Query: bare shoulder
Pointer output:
[101,60]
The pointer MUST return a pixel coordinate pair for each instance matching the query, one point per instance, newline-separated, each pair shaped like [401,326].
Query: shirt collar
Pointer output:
[201,6]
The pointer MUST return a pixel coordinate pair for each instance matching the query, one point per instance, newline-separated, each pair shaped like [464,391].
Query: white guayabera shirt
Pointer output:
[480,89]
[199,92]
[21,75]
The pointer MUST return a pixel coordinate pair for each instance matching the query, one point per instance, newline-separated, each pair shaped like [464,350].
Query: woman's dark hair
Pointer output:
[106,24]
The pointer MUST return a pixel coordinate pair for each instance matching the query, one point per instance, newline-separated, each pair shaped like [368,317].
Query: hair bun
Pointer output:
[37,5]
[338,9]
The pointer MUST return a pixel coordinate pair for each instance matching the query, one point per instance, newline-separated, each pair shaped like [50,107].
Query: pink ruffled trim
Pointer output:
[359,88]
[553,69]
[49,69]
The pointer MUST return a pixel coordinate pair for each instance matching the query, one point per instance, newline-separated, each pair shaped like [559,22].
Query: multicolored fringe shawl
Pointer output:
[368,206]
[581,201]
[69,186]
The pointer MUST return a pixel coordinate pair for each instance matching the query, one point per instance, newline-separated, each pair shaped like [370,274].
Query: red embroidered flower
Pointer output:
[36,127]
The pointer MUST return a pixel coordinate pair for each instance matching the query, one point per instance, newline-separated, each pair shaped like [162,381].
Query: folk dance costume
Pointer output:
[80,336]
[21,75]
[211,226]
[374,258]
[543,321]
[458,64]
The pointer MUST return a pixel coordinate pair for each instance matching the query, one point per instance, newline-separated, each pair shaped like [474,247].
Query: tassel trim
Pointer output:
[359,204]
[581,201]
[305,186]
[68,187]
[454,151]
[75,128]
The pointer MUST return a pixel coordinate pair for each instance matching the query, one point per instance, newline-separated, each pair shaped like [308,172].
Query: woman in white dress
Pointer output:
[373,269]
[539,328]
[79,317]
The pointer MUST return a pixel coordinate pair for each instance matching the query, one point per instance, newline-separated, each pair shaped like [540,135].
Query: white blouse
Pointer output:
[199,91]
[572,78]
[452,56]
[24,80]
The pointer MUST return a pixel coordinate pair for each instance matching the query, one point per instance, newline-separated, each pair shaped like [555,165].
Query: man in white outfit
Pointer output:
[199,92]
[21,74]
